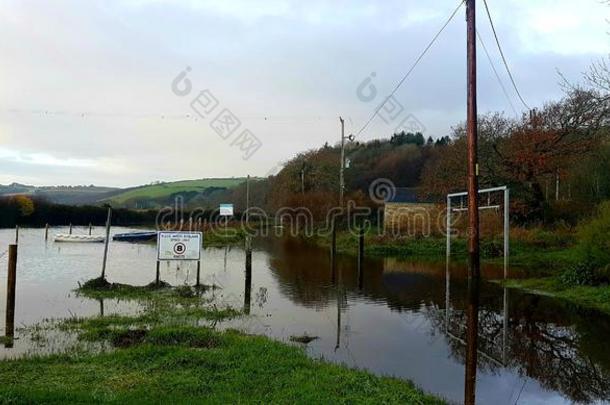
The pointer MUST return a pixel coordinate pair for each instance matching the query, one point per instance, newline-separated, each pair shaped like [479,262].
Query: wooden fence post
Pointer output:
[10,295]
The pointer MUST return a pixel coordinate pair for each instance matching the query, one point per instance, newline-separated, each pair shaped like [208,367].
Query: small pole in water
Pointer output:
[46,232]
[199,224]
[106,241]
[10,295]
[198,271]
[158,273]
[333,242]
[248,278]
[248,252]
[70,228]
[16,234]
[360,250]
[89,228]
[190,224]
[247,198]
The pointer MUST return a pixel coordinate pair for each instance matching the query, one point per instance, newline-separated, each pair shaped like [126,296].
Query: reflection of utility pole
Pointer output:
[341,179]
[505,325]
[338,285]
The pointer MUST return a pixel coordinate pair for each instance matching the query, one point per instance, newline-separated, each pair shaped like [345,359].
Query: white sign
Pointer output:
[179,246]
[226,210]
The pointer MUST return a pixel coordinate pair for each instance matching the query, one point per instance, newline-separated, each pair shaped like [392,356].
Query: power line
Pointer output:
[419,58]
[496,73]
[510,75]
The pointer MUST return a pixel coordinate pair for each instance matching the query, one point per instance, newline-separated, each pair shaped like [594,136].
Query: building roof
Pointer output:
[406,195]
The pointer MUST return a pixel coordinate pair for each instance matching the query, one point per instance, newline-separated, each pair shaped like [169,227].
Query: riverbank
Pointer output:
[586,296]
[172,352]
[544,253]
[545,257]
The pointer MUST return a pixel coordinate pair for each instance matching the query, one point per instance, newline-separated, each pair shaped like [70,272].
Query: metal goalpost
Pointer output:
[489,205]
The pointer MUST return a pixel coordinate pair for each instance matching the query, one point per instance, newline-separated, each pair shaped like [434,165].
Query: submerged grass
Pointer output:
[586,296]
[542,257]
[188,364]
[164,355]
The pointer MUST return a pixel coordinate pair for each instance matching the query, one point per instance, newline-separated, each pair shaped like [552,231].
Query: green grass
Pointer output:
[542,259]
[163,355]
[190,364]
[586,296]
[167,189]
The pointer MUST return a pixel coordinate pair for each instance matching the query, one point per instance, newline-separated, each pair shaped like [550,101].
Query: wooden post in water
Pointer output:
[248,251]
[248,278]
[106,241]
[70,228]
[16,234]
[198,271]
[10,295]
[46,232]
[190,224]
[158,275]
[360,256]
[89,228]
[333,241]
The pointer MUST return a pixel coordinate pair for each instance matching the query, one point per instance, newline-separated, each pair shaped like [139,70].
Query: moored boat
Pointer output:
[62,237]
[135,236]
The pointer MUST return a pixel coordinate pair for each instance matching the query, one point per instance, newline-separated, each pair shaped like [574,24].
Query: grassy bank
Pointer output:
[544,253]
[185,364]
[587,296]
[164,354]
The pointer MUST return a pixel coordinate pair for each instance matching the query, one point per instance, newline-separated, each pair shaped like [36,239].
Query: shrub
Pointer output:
[594,238]
[582,273]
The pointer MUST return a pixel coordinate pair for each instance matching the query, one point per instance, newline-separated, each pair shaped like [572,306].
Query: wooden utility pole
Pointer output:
[106,241]
[46,232]
[247,198]
[473,191]
[471,134]
[341,177]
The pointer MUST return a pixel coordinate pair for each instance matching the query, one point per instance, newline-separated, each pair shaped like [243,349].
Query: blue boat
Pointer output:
[135,236]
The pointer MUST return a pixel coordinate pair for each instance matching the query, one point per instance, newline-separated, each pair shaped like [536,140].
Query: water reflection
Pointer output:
[472,334]
[392,316]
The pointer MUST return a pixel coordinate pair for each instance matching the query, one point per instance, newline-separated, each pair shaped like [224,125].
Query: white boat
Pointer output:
[63,237]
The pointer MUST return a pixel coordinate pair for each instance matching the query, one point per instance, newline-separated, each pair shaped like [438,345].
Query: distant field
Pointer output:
[156,191]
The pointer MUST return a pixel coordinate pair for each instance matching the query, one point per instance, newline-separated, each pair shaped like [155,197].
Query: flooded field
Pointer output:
[394,317]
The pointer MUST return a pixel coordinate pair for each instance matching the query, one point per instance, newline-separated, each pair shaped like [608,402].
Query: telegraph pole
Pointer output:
[473,205]
[341,178]
[247,198]
[471,134]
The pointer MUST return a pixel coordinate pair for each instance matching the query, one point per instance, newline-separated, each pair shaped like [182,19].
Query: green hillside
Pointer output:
[160,194]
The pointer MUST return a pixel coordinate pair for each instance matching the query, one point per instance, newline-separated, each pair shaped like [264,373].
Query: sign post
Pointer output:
[179,246]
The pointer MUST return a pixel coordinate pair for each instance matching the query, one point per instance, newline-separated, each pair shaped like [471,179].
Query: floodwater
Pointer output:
[394,317]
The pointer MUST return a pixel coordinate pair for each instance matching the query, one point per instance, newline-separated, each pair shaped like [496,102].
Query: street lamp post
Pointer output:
[342,169]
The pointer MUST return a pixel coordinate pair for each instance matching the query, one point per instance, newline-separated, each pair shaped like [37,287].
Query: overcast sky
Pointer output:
[86,94]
